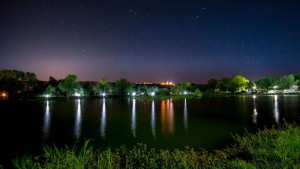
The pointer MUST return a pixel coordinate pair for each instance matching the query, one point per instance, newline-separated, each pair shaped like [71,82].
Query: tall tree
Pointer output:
[286,82]
[238,83]
[69,85]
[103,86]
[123,86]
[224,84]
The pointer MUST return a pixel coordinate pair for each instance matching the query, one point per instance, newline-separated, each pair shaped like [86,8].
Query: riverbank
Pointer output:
[268,148]
[157,97]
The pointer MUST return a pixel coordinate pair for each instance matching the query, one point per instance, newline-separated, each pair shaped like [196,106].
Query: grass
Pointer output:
[268,148]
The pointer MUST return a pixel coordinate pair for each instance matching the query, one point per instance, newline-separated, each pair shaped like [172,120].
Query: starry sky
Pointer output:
[151,40]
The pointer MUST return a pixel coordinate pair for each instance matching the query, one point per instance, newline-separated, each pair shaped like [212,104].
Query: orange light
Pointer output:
[3,95]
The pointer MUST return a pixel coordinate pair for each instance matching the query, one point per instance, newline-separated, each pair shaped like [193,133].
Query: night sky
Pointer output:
[151,40]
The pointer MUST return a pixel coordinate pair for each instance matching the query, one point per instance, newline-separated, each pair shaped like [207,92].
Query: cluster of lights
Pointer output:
[167,83]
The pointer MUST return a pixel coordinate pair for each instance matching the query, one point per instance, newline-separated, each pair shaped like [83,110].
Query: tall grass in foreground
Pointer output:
[268,148]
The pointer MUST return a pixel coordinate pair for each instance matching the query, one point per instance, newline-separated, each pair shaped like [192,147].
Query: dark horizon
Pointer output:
[152,40]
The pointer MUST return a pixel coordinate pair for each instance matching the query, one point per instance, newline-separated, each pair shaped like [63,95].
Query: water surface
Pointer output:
[111,122]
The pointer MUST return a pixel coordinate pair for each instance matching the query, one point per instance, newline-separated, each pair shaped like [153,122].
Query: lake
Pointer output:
[206,123]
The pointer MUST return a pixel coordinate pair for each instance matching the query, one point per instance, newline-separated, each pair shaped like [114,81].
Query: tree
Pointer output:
[152,90]
[266,83]
[103,87]
[29,80]
[142,89]
[69,85]
[198,93]
[181,88]
[15,81]
[50,90]
[297,78]
[238,83]
[251,86]
[52,81]
[123,86]
[224,84]
[286,82]
[212,84]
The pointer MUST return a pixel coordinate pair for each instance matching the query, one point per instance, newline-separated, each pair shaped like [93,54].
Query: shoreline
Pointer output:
[144,97]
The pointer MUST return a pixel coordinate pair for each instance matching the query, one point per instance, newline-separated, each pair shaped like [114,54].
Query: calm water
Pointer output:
[199,123]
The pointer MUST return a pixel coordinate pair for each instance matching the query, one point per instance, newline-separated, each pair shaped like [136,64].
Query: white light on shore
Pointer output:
[152,94]
[133,94]
[77,94]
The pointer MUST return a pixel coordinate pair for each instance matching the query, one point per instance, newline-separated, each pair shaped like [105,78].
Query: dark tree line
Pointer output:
[17,83]
[25,84]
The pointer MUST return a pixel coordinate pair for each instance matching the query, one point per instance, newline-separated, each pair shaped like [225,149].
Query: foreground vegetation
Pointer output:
[268,148]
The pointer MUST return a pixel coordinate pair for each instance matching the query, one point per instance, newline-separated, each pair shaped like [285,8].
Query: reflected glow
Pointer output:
[185,116]
[167,116]
[153,119]
[77,126]
[276,109]
[103,120]
[46,124]
[254,115]
[133,119]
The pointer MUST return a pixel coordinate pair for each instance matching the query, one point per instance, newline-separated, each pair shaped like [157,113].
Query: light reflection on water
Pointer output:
[199,123]
[103,120]
[133,119]
[46,125]
[254,115]
[185,116]
[77,129]
[153,120]
[167,116]
[276,109]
